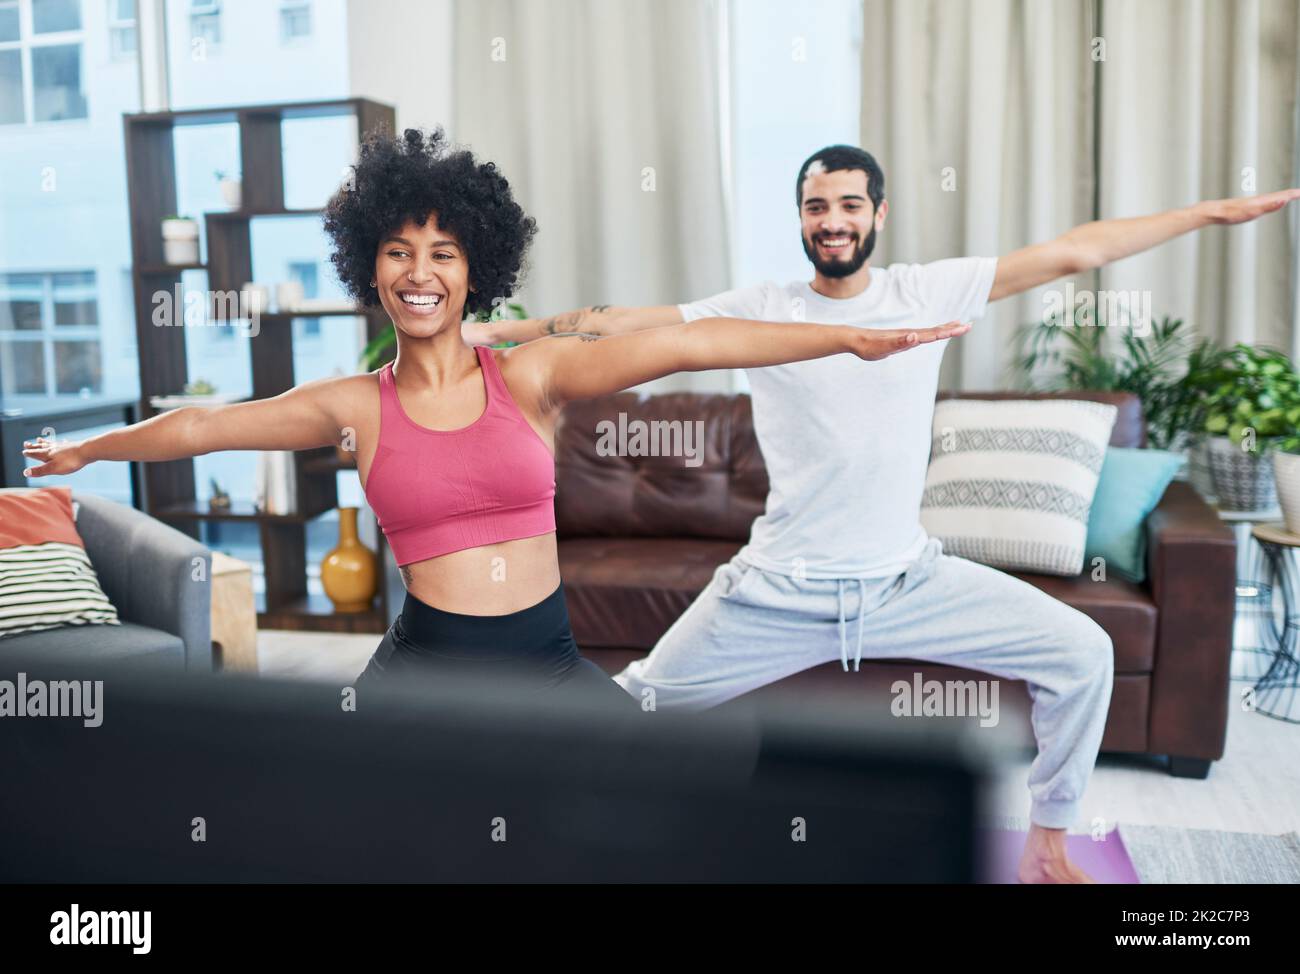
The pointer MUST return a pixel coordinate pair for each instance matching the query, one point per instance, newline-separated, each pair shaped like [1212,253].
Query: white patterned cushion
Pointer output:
[1011,482]
[43,586]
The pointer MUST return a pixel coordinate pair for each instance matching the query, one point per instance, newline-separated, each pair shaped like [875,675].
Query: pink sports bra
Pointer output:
[439,491]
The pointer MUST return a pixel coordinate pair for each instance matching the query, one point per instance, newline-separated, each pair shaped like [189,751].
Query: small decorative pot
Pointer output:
[349,573]
[275,485]
[180,241]
[1242,481]
[232,191]
[1286,469]
[256,298]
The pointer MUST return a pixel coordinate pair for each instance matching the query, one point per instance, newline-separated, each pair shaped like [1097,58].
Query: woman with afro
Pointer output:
[454,441]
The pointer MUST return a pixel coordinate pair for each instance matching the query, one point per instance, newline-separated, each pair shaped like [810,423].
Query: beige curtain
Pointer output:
[603,115]
[1049,113]
[1198,101]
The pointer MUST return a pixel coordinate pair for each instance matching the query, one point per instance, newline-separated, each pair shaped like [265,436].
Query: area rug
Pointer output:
[1157,854]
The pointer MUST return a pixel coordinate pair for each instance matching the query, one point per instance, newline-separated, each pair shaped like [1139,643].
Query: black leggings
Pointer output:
[533,647]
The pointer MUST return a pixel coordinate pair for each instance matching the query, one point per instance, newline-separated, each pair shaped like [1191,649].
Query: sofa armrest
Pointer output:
[155,575]
[1192,574]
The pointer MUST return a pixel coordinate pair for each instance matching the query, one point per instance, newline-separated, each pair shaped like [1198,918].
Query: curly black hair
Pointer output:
[397,180]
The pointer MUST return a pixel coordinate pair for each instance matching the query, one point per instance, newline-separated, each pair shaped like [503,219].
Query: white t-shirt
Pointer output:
[846,442]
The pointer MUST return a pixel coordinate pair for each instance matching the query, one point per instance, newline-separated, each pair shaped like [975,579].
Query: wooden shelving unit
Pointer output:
[168,488]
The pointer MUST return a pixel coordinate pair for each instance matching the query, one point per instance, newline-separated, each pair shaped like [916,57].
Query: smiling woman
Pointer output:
[400,182]
[460,477]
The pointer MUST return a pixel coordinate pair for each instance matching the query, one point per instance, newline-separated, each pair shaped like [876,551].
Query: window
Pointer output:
[9,30]
[67,322]
[784,58]
[11,87]
[295,20]
[281,51]
[49,334]
[56,82]
[74,299]
[304,272]
[41,61]
[205,21]
[54,16]
[21,298]
[122,38]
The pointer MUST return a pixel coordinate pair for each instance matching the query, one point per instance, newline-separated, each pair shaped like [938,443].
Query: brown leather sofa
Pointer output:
[640,537]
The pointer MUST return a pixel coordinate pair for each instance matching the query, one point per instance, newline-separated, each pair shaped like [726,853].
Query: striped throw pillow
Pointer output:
[1011,482]
[46,578]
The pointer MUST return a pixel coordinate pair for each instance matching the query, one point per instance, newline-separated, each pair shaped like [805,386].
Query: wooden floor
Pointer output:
[1254,788]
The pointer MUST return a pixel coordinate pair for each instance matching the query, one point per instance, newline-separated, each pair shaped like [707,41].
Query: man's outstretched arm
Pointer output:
[599,319]
[1095,244]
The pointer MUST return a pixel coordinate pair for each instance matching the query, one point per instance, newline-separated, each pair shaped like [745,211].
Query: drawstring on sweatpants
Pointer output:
[844,646]
[844,643]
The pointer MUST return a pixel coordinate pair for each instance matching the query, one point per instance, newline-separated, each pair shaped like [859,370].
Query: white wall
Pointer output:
[399,53]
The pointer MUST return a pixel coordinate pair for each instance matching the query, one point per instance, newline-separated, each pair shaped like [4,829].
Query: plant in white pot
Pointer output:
[232,188]
[1252,403]
[1286,472]
[180,240]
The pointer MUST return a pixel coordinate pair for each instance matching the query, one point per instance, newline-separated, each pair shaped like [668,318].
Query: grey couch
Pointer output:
[150,572]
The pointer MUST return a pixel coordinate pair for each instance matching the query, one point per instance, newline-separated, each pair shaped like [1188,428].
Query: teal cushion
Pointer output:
[1131,485]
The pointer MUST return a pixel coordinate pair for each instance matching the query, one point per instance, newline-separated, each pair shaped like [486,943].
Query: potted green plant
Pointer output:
[219,500]
[383,347]
[1189,411]
[1161,367]
[1251,402]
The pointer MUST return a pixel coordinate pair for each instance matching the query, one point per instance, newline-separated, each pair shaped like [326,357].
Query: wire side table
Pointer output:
[1253,629]
[1277,693]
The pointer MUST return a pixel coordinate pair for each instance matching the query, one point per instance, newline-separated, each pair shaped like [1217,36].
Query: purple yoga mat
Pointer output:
[1105,860]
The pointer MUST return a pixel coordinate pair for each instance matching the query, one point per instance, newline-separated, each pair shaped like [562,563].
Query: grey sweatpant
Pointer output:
[751,627]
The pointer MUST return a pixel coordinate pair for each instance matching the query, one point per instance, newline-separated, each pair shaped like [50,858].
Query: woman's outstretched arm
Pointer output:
[585,366]
[299,419]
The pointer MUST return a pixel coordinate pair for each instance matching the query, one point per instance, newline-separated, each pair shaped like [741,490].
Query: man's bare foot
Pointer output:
[1045,861]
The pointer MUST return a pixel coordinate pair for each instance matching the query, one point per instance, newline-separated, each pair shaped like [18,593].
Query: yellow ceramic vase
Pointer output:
[349,573]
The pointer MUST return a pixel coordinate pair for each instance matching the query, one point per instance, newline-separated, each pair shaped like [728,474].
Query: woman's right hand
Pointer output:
[57,458]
